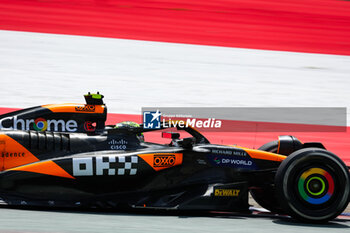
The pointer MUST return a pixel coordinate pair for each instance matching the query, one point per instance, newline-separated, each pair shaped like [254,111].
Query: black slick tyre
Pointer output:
[265,195]
[312,185]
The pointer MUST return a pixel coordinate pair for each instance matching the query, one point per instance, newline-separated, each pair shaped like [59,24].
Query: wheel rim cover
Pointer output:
[319,179]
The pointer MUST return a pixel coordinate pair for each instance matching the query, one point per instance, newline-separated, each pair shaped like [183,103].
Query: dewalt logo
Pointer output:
[164,160]
[226,192]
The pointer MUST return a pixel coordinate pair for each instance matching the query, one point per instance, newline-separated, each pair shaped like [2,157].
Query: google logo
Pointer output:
[40,124]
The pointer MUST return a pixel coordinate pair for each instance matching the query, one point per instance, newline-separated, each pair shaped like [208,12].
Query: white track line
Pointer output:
[38,68]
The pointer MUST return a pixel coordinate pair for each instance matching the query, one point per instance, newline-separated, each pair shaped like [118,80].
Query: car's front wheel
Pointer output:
[312,185]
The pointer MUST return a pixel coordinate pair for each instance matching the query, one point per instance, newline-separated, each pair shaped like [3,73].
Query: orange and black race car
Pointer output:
[65,156]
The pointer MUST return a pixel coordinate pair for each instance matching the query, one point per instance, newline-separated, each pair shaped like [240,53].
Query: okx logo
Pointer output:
[151,120]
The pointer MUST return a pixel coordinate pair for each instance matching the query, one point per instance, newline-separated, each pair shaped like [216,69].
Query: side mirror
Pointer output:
[171,135]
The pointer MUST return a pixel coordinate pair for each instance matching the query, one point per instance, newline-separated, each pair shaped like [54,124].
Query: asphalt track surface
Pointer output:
[50,67]
[60,221]
[34,221]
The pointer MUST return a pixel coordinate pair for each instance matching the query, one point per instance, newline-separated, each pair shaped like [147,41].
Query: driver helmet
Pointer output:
[130,124]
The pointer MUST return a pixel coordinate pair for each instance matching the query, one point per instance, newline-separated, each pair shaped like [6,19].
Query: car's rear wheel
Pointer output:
[312,185]
[265,195]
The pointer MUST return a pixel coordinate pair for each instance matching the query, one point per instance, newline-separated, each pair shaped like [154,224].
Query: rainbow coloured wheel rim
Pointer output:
[316,186]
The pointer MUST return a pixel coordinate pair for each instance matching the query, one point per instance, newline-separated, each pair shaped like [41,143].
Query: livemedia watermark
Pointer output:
[217,119]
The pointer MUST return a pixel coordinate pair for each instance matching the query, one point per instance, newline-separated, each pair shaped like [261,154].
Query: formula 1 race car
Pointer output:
[65,156]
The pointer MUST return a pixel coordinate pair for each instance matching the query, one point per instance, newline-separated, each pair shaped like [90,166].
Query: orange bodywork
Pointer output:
[259,154]
[45,167]
[160,161]
[75,108]
[13,154]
